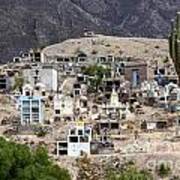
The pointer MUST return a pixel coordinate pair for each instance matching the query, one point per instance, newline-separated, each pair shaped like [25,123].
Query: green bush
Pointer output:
[19,81]
[163,170]
[129,173]
[18,162]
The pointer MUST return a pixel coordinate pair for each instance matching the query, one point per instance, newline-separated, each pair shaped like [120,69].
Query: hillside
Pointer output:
[25,24]
[141,48]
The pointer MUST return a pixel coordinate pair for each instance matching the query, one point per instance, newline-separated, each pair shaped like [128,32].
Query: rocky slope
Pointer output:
[25,23]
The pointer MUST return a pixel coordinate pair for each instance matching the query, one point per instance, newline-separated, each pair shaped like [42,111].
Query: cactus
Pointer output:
[174,43]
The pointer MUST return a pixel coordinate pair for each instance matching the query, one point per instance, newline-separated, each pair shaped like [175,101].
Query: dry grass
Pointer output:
[143,48]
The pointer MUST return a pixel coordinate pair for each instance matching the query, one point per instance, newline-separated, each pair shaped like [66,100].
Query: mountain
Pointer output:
[37,23]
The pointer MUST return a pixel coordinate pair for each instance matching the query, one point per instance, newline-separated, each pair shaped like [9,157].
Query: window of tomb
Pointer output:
[80,132]
[84,139]
[66,60]
[87,131]
[57,111]
[114,125]
[27,93]
[43,93]
[73,132]
[73,139]
[59,59]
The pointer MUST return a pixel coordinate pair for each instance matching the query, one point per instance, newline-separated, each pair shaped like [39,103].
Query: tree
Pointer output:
[19,81]
[97,72]
[18,162]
